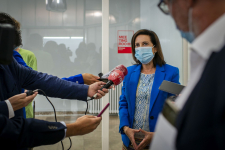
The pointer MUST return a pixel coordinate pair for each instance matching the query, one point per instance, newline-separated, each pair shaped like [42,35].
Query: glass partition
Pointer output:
[66,41]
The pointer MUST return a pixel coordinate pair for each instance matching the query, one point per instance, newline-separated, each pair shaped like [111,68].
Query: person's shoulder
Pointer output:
[26,52]
[170,67]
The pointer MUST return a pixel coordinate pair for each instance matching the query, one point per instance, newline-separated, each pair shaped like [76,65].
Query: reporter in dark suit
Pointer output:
[22,133]
[201,121]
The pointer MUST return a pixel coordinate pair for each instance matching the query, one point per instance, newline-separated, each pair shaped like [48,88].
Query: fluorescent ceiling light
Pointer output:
[51,38]
[77,37]
[97,14]
[56,5]
[136,20]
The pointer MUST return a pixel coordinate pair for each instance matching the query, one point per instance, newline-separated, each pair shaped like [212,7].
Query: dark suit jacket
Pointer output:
[20,133]
[30,133]
[201,123]
[14,77]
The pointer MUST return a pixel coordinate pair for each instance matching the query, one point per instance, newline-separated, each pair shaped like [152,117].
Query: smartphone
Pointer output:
[103,110]
[171,87]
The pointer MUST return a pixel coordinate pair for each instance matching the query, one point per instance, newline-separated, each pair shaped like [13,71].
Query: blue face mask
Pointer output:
[189,36]
[144,54]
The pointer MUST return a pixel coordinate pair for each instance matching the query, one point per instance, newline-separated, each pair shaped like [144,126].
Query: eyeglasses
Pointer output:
[164,7]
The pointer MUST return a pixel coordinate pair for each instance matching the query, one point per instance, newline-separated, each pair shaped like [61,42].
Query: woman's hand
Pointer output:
[130,133]
[146,141]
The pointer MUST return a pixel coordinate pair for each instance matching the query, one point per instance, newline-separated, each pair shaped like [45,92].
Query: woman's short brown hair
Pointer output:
[159,58]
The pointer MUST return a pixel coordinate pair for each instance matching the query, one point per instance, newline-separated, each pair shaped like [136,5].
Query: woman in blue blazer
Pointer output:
[141,100]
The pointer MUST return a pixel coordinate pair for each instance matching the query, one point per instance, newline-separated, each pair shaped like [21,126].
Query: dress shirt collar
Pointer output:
[211,40]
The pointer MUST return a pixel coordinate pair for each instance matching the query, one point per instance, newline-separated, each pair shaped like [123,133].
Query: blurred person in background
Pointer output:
[65,55]
[94,59]
[81,61]
[51,48]
[44,59]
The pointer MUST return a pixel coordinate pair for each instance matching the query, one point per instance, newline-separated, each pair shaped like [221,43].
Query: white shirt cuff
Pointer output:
[11,111]
[64,130]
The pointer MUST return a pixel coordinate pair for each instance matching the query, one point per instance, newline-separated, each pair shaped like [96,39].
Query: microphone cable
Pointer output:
[31,93]
[87,105]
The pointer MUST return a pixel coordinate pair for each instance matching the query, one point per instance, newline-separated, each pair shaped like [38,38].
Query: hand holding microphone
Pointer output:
[95,88]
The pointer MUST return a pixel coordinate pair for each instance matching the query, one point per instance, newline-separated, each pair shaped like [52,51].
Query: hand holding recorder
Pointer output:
[21,100]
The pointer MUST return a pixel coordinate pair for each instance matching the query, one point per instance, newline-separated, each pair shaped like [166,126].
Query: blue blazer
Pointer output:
[128,97]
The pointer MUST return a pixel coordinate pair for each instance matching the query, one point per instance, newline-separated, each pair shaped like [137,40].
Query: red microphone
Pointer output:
[122,68]
[119,67]
[116,77]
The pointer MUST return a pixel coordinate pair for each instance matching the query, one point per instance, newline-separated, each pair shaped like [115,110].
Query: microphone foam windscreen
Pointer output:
[116,77]
[123,69]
